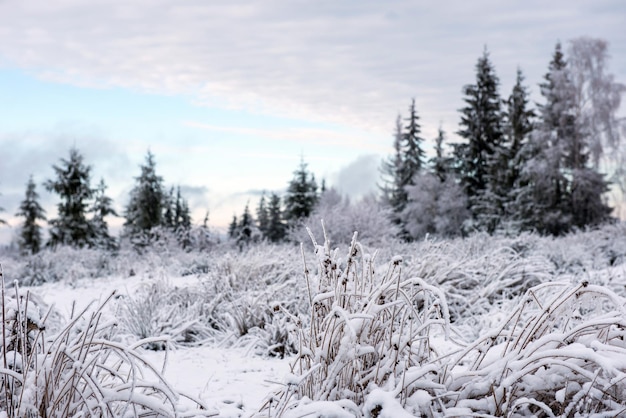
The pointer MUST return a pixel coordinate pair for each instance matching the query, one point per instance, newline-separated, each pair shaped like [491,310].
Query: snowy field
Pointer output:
[485,326]
[231,380]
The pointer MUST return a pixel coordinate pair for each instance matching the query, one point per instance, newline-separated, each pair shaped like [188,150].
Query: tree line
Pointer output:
[518,168]
[82,209]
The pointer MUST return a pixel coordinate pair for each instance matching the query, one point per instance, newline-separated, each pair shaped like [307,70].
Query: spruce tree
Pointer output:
[518,126]
[72,185]
[276,228]
[182,220]
[262,216]
[392,188]
[441,165]
[146,205]
[169,209]
[479,160]
[562,190]
[30,209]
[233,228]
[402,168]
[102,207]
[245,226]
[301,196]
[412,160]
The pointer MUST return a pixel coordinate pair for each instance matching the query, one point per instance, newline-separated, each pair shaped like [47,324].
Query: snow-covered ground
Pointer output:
[232,380]
[518,325]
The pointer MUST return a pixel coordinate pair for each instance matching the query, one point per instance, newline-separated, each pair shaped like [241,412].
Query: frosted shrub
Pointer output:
[367,331]
[77,372]
[342,217]
[169,314]
[561,352]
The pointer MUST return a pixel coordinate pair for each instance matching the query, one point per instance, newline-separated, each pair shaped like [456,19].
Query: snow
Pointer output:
[231,380]
[493,326]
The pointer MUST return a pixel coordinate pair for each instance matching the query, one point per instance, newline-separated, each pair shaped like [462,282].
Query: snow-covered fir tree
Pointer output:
[182,220]
[145,208]
[276,227]
[72,184]
[391,187]
[301,196]
[543,204]
[480,158]
[262,216]
[30,236]
[407,162]
[518,126]
[245,228]
[102,207]
[562,189]
[233,228]
[412,161]
[441,164]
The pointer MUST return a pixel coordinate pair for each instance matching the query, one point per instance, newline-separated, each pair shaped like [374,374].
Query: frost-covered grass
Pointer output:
[482,326]
[79,371]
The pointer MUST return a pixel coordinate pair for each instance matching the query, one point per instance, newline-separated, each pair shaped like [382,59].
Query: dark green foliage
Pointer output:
[146,206]
[233,228]
[392,188]
[412,161]
[518,125]
[244,228]
[276,227]
[441,164]
[30,209]
[301,196]
[102,207]
[403,166]
[481,127]
[72,185]
[262,216]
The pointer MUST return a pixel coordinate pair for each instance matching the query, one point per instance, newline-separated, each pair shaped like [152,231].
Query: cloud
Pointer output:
[353,62]
[315,136]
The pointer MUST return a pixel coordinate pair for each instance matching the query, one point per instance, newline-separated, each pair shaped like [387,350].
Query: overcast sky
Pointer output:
[229,95]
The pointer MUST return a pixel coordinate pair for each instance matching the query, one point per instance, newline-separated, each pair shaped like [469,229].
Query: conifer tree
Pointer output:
[262,216]
[245,226]
[233,228]
[72,185]
[518,126]
[276,228]
[392,188]
[102,207]
[413,154]
[301,196]
[441,164]
[169,209]
[146,206]
[479,160]
[30,209]
[543,204]
[562,190]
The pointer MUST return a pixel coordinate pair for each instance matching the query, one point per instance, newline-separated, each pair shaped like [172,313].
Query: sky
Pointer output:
[229,96]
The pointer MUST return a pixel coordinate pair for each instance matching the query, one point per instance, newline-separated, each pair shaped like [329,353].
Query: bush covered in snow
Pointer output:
[528,332]
[484,325]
